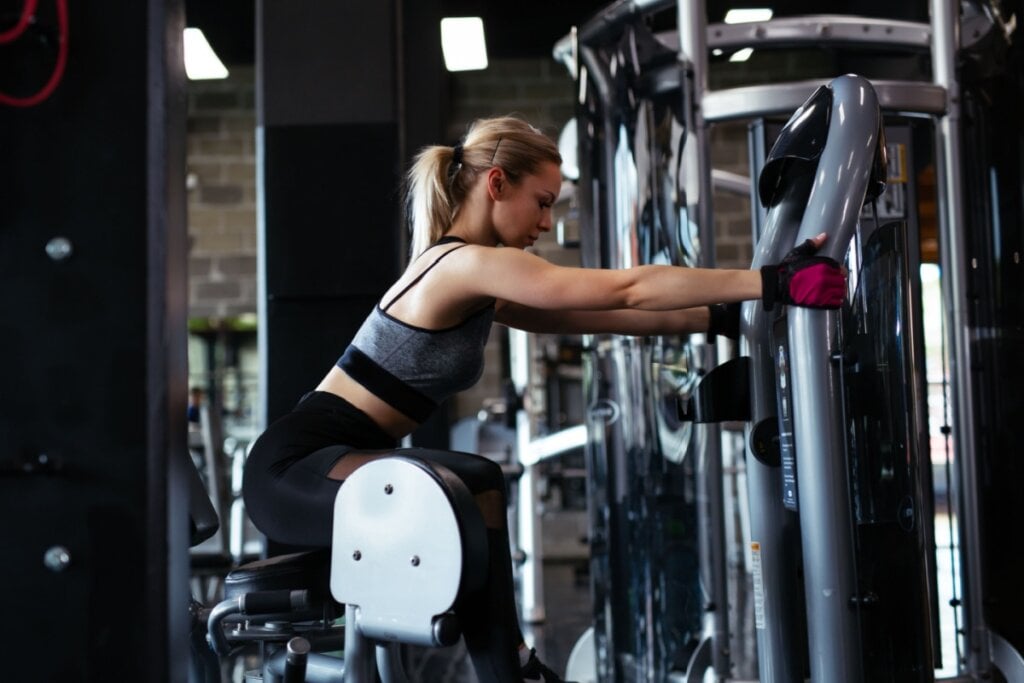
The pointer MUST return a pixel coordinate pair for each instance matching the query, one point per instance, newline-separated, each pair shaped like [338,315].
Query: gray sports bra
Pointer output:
[411,368]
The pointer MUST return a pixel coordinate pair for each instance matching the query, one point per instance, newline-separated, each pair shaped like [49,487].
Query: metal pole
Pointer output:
[692,21]
[946,39]
[359,652]
[530,531]
[826,518]
[826,523]
[774,533]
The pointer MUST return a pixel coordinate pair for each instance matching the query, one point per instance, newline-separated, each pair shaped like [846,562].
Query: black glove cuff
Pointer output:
[769,286]
[724,320]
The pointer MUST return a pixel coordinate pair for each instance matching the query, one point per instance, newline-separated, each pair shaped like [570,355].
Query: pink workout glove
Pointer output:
[804,280]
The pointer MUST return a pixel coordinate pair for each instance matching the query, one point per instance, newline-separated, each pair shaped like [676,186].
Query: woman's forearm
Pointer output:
[661,288]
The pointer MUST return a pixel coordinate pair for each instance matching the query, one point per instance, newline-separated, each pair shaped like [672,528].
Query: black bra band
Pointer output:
[386,386]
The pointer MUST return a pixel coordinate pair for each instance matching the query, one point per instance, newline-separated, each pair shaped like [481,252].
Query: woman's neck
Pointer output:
[472,221]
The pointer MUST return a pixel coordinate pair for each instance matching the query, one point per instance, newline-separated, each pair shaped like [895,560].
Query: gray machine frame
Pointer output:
[827,531]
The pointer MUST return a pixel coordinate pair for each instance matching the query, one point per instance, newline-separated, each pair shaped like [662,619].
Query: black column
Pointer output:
[328,139]
[93,512]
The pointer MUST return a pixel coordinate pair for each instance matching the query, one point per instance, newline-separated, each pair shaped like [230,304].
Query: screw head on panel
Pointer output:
[57,558]
[59,248]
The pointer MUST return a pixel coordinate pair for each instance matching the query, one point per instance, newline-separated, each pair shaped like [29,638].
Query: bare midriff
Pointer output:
[339,383]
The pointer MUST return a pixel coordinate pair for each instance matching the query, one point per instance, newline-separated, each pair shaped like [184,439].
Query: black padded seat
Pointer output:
[309,571]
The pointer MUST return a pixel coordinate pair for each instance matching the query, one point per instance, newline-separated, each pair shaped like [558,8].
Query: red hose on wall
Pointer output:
[62,53]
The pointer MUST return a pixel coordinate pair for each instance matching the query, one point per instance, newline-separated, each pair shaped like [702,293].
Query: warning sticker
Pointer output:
[755,568]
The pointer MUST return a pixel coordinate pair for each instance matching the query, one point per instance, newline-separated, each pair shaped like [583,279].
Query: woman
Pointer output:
[424,342]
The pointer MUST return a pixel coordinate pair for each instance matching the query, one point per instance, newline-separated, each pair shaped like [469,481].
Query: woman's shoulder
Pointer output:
[486,252]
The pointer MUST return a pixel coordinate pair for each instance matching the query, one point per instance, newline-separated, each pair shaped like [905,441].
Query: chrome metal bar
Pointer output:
[691,19]
[531,572]
[564,52]
[728,181]
[953,255]
[600,78]
[607,20]
[818,29]
[714,563]
[528,522]
[909,97]
[389,663]
[359,651]
[552,445]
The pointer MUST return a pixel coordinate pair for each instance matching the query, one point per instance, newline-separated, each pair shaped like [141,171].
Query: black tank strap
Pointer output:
[426,270]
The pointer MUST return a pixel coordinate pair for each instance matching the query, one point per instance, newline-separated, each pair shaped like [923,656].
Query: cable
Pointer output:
[27,11]
[58,69]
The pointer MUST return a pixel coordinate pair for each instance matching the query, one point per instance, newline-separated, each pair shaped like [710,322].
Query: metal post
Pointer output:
[826,522]
[692,23]
[359,652]
[774,533]
[952,241]
[528,521]
[531,572]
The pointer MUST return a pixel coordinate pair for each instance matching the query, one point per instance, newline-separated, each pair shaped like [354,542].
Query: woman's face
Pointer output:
[523,210]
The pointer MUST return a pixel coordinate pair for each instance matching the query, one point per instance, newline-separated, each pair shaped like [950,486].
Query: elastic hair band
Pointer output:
[457,155]
[495,152]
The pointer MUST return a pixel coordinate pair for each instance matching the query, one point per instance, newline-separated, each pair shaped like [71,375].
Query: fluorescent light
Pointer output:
[201,62]
[462,41]
[741,55]
[743,16]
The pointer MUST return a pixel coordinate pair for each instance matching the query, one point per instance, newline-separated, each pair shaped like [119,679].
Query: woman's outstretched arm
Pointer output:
[626,322]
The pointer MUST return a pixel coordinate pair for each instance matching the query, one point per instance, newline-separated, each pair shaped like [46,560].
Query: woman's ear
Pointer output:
[496,183]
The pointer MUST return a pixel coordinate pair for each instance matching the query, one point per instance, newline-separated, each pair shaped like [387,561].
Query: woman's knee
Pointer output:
[479,474]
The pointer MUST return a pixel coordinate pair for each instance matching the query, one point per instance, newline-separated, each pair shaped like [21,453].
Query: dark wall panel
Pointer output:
[89,416]
[331,206]
[331,245]
[330,154]
[335,60]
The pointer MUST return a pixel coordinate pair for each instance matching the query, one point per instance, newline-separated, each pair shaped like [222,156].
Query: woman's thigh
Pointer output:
[481,476]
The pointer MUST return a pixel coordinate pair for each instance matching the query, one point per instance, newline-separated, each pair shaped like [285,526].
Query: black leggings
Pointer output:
[290,498]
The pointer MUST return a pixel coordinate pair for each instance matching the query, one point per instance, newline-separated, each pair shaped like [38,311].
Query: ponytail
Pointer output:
[428,199]
[441,176]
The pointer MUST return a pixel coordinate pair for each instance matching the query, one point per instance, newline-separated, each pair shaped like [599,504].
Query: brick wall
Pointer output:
[221,166]
[538,90]
[733,241]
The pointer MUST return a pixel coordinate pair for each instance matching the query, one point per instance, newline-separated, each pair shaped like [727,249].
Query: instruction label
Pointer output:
[755,568]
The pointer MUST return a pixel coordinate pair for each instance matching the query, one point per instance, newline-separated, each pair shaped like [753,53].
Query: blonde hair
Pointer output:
[436,187]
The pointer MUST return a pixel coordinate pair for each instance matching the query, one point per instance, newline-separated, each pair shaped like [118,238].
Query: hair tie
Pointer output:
[457,154]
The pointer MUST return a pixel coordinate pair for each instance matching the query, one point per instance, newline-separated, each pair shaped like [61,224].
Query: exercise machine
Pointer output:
[408,541]
[841,550]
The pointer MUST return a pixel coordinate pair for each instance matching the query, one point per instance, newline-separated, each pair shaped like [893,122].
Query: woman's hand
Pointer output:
[803,279]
